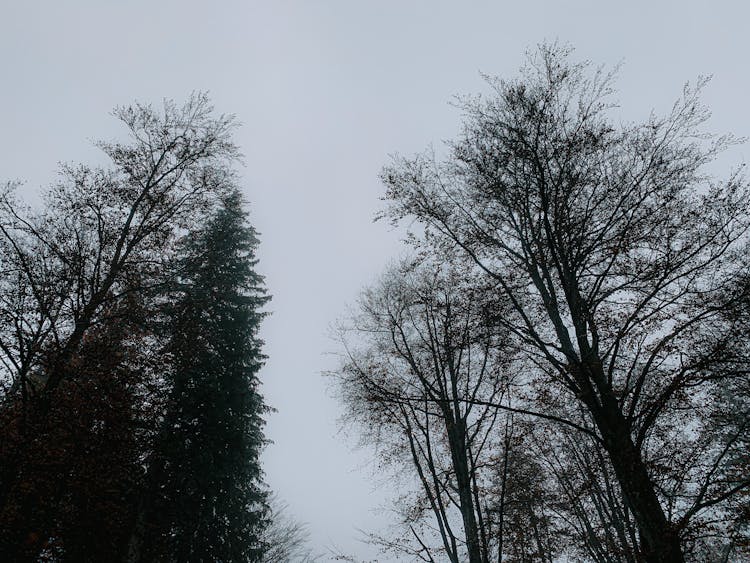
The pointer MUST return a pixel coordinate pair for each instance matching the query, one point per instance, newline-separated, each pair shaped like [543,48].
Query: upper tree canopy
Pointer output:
[104,232]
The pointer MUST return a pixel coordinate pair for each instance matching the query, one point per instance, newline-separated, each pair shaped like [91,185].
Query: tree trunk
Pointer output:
[463,481]
[659,541]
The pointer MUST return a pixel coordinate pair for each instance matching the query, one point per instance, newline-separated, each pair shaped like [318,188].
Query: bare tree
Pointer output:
[619,255]
[103,232]
[287,538]
[425,374]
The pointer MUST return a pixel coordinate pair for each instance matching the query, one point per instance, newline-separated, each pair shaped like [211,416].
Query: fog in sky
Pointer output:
[326,90]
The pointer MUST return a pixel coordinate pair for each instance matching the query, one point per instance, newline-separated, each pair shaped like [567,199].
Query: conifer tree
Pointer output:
[210,503]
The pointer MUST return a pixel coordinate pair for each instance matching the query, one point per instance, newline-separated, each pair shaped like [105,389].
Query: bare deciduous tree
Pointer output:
[102,232]
[620,256]
[426,375]
[287,538]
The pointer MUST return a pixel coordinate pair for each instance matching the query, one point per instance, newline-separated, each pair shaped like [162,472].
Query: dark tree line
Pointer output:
[131,416]
[567,356]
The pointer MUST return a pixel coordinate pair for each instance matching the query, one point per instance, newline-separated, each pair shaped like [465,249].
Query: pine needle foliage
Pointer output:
[212,504]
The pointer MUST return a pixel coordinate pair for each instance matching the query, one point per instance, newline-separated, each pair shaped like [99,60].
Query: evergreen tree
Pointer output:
[210,503]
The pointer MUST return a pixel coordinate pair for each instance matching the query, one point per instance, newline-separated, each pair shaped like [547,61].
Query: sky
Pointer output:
[326,92]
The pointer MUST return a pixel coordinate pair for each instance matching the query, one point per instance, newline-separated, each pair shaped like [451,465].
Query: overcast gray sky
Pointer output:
[326,91]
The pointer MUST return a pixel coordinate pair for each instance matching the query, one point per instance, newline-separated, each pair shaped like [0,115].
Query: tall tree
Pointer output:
[620,256]
[103,237]
[426,375]
[209,502]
